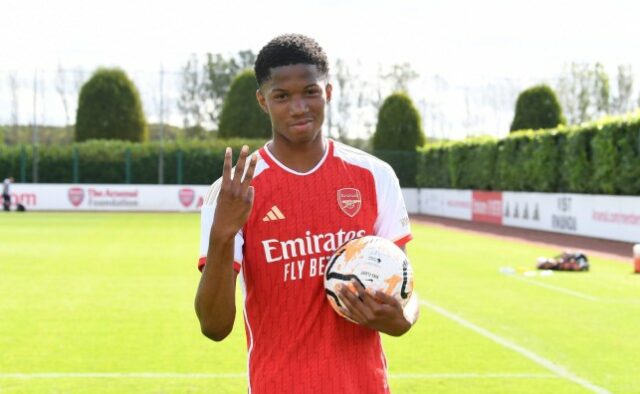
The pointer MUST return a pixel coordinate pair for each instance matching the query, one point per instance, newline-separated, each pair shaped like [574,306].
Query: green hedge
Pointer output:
[597,158]
[472,163]
[433,169]
[105,161]
[528,161]
[405,165]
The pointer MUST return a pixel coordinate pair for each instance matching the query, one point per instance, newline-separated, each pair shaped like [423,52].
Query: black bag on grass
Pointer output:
[567,261]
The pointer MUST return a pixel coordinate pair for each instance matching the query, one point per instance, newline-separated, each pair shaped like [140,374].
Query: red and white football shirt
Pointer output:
[296,342]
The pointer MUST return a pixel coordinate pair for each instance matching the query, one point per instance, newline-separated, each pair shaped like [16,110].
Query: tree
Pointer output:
[400,76]
[621,103]
[373,94]
[190,102]
[109,107]
[218,75]
[537,108]
[575,92]
[246,59]
[79,78]
[204,87]
[601,90]
[61,88]
[219,72]
[585,92]
[399,125]
[13,87]
[342,100]
[241,114]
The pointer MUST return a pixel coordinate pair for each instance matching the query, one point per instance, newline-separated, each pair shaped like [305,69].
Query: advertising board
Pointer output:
[599,216]
[447,203]
[105,197]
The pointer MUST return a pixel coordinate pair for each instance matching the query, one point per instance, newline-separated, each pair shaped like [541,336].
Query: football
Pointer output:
[374,262]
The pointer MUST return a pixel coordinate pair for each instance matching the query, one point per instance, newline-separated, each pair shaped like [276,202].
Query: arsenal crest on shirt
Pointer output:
[350,201]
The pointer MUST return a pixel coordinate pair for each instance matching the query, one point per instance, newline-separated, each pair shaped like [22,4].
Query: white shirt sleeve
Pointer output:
[207,213]
[393,220]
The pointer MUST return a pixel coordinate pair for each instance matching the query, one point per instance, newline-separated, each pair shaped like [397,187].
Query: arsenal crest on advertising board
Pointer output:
[76,195]
[186,197]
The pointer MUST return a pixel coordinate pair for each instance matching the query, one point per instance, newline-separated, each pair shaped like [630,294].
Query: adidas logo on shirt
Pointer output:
[273,214]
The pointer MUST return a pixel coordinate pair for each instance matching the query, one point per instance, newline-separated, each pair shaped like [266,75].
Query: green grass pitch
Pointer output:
[103,303]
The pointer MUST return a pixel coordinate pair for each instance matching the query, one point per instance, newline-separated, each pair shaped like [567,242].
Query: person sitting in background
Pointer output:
[6,197]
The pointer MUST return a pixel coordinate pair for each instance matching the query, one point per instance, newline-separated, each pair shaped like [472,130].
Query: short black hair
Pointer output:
[289,49]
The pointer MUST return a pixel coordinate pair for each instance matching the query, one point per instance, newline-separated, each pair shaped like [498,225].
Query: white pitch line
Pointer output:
[172,375]
[558,289]
[559,370]
[121,375]
[472,375]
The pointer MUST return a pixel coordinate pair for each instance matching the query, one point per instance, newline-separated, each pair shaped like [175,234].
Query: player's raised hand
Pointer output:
[236,195]
[376,310]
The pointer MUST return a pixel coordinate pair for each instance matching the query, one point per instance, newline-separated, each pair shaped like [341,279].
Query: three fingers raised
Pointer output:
[238,185]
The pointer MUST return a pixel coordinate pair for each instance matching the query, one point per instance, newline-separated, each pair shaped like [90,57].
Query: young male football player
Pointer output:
[273,222]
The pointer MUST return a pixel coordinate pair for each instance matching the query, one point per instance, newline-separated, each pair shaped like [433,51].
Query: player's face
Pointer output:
[295,97]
